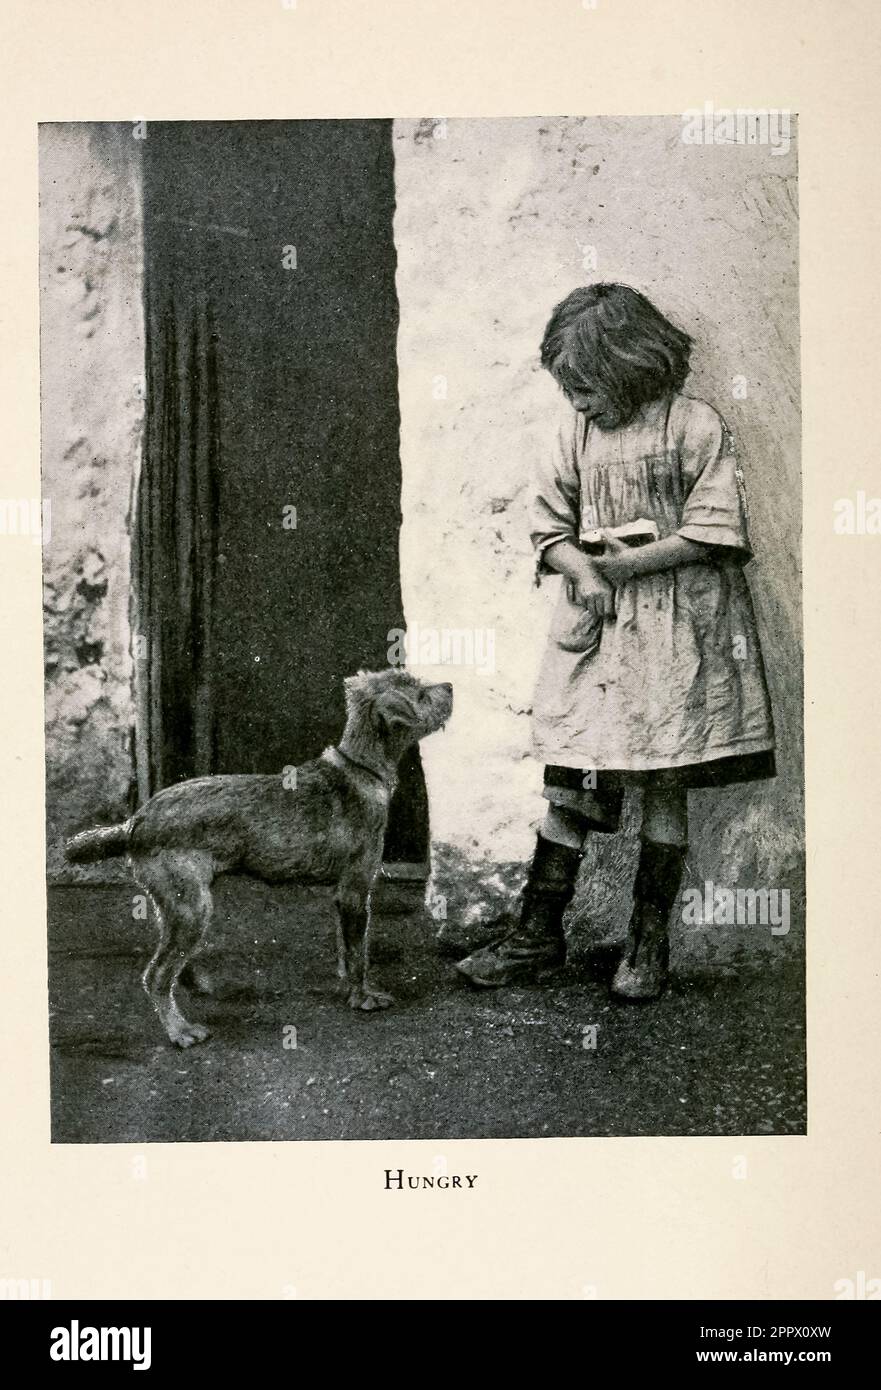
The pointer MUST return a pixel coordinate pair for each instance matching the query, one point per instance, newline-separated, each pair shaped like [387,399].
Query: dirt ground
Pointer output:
[722,1053]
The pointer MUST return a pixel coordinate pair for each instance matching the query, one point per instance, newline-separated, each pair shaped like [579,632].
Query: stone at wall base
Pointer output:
[472,900]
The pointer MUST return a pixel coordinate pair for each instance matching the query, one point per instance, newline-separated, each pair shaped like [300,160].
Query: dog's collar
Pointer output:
[364,767]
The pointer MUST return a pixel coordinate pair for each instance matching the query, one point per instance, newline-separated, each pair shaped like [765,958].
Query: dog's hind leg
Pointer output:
[353,907]
[179,884]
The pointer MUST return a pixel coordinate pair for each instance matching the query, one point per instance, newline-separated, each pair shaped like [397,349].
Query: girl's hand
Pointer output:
[616,562]
[593,593]
[622,562]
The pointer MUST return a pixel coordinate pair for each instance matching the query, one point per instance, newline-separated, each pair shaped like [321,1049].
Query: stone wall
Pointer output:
[496,222]
[92,366]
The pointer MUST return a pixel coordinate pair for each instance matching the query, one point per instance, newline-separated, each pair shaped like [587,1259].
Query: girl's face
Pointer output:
[582,395]
[588,400]
[591,402]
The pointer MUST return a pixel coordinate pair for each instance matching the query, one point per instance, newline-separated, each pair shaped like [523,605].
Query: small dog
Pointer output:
[325,824]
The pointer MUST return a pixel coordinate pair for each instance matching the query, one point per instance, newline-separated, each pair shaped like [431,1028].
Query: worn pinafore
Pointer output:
[675,683]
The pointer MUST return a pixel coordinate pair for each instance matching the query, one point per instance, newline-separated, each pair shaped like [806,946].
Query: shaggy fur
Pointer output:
[328,827]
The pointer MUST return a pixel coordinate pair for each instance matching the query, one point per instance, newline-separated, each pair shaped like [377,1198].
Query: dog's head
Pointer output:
[396,708]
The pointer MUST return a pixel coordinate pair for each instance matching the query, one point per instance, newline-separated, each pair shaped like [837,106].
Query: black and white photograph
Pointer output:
[421,525]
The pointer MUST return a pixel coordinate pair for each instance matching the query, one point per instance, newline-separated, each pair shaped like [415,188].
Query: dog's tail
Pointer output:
[91,845]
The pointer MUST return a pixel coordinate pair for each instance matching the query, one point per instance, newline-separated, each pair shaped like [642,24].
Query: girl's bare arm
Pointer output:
[621,562]
[591,589]
[568,559]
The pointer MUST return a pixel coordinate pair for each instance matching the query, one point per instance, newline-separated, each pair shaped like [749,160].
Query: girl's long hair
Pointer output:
[610,339]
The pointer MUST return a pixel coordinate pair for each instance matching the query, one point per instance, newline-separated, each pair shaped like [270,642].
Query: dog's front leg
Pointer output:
[353,906]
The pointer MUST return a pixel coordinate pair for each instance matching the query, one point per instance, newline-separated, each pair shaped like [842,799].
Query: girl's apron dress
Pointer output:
[674,686]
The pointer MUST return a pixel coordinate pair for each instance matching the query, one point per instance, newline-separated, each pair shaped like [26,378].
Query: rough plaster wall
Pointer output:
[92,365]
[492,221]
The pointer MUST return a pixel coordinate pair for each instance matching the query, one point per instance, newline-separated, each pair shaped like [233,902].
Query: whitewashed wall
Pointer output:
[496,222]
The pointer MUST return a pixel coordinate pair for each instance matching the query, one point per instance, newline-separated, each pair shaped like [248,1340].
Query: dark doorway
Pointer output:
[269,503]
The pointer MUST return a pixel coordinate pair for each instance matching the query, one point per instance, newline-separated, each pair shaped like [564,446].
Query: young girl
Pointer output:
[653,672]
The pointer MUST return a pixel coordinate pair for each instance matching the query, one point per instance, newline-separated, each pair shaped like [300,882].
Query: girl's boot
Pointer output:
[642,970]
[537,944]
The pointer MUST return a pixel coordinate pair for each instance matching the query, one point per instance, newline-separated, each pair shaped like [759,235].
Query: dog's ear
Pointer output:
[356,688]
[392,711]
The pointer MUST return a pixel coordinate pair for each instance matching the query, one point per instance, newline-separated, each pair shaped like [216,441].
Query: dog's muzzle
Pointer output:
[442,704]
